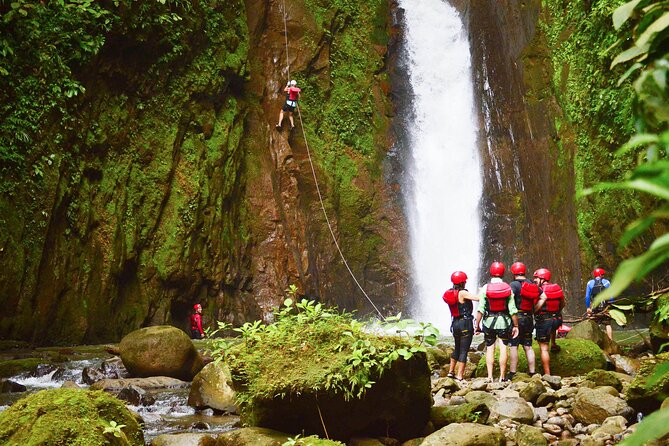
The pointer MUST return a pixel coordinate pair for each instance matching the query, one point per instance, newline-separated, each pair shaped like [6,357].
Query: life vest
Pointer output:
[527,296]
[498,296]
[458,309]
[554,296]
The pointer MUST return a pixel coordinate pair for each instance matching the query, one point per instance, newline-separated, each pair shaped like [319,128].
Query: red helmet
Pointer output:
[458,277]
[197,307]
[518,269]
[543,273]
[598,272]
[497,269]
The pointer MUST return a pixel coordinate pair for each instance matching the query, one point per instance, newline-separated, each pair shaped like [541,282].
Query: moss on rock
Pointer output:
[72,417]
[644,397]
[13,367]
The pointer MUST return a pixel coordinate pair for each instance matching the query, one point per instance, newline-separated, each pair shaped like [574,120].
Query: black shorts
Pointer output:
[545,325]
[601,319]
[490,335]
[525,329]
[288,108]
[195,334]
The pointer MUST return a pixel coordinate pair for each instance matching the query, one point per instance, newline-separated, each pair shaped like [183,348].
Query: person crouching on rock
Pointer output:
[196,331]
[525,295]
[548,314]
[459,302]
[292,96]
[498,311]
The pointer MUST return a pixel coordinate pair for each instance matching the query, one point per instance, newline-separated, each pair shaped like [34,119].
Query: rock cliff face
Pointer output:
[175,188]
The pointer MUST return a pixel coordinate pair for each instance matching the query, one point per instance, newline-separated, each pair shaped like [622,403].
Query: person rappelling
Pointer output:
[292,96]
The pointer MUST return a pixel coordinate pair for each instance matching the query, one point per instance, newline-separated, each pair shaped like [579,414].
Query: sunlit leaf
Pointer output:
[640,139]
[655,425]
[619,317]
[629,54]
[649,33]
[624,12]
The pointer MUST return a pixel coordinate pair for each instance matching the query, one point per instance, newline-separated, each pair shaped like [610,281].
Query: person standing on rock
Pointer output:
[196,331]
[498,311]
[292,96]
[525,296]
[547,315]
[592,289]
[459,302]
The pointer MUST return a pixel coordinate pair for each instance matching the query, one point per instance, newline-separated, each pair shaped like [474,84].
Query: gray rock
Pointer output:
[592,406]
[627,365]
[212,387]
[566,392]
[457,401]
[447,384]
[478,396]
[612,426]
[541,413]
[252,436]
[184,440]
[608,389]
[136,396]
[559,421]
[465,434]
[552,428]
[152,383]
[554,381]
[479,384]
[516,409]
[532,391]
[545,399]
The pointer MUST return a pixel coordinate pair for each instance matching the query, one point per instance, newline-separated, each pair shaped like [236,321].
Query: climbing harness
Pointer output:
[313,172]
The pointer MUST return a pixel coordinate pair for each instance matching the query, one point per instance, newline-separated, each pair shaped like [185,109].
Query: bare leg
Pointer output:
[451,367]
[490,360]
[280,118]
[461,370]
[609,331]
[503,358]
[531,360]
[545,358]
[513,367]
[290,116]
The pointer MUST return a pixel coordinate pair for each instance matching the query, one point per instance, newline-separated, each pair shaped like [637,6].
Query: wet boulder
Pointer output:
[160,351]
[466,434]
[136,396]
[55,416]
[212,388]
[648,398]
[589,329]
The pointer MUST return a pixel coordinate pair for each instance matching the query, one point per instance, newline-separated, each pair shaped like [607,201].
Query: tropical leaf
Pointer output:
[629,54]
[629,72]
[655,425]
[635,229]
[649,33]
[640,139]
[619,317]
[623,13]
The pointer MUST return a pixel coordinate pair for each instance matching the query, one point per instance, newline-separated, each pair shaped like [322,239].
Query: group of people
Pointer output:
[508,314]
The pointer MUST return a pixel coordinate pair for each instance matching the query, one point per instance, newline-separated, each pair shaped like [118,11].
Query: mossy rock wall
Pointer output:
[74,417]
[639,394]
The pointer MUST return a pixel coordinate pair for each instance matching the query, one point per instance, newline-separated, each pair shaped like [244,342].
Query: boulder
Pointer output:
[9,386]
[447,384]
[466,434]
[212,387]
[56,416]
[604,378]
[595,406]
[646,398]
[479,396]
[252,436]
[185,439]
[588,329]
[463,413]
[439,356]
[160,351]
[516,409]
[612,426]
[530,436]
[136,396]
[152,383]
[576,357]
[626,365]
[532,390]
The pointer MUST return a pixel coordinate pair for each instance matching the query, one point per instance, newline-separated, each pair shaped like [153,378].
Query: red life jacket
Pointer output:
[529,293]
[457,309]
[554,296]
[498,297]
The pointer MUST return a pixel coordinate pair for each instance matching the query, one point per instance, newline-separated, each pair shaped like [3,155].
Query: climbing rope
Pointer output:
[313,172]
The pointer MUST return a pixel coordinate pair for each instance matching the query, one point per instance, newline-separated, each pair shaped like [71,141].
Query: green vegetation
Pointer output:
[69,416]
[312,440]
[309,348]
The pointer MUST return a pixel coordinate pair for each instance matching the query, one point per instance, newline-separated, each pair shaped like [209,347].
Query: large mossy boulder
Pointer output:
[576,357]
[72,417]
[590,330]
[463,413]
[212,388]
[160,351]
[642,396]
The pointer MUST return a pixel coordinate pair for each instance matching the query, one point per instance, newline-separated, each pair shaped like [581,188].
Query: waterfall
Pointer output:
[444,176]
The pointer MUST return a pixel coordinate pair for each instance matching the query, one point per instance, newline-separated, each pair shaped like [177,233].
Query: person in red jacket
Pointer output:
[196,331]
[547,314]
[292,96]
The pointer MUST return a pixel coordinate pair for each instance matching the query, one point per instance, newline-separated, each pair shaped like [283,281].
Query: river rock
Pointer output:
[252,436]
[136,396]
[67,417]
[612,426]
[212,387]
[464,413]
[447,384]
[439,356]
[588,329]
[553,380]
[552,428]
[160,351]
[185,439]
[530,436]
[604,378]
[9,386]
[90,375]
[533,389]
[479,384]
[516,409]
[152,383]
[625,364]
[457,400]
[479,396]
[545,399]
[608,389]
[646,398]
[465,434]
[594,406]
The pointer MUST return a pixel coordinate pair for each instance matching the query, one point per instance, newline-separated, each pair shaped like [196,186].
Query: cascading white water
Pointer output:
[445,182]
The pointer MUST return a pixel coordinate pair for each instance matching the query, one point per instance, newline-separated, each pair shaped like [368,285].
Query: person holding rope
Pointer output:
[459,302]
[592,289]
[292,96]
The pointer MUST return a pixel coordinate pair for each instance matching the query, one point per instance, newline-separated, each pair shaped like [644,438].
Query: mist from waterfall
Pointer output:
[444,176]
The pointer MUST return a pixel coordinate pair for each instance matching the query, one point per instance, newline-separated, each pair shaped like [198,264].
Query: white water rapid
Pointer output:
[444,187]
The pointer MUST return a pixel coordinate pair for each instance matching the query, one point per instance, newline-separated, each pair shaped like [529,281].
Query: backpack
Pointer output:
[597,288]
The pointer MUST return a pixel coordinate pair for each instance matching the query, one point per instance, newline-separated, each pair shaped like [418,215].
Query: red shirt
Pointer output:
[196,323]
[293,93]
